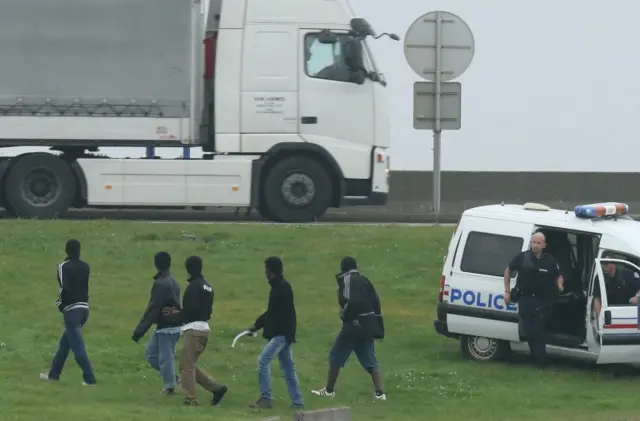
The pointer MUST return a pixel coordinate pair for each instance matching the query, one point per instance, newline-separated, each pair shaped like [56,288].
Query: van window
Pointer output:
[622,282]
[489,254]
[623,256]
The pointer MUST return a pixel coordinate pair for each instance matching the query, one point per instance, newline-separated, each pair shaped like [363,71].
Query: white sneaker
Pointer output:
[44,376]
[323,393]
[382,397]
[88,384]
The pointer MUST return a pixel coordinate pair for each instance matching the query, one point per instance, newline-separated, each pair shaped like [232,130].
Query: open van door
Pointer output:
[617,327]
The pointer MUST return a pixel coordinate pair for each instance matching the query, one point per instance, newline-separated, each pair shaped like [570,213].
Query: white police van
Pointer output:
[471,305]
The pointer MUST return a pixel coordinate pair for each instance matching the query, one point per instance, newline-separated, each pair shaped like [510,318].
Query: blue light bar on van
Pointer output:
[600,210]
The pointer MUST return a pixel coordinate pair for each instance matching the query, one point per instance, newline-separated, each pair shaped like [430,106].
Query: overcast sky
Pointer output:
[552,86]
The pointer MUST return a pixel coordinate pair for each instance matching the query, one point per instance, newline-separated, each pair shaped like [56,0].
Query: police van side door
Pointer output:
[474,287]
[618,324]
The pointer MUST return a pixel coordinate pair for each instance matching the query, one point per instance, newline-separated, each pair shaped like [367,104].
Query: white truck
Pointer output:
[283,96]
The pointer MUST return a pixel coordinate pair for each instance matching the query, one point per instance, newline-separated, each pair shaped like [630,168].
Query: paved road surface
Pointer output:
[224,215]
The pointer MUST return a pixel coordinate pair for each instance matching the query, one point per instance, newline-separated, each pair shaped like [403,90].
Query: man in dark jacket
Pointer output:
[161,349]
[278,326]
[197,307]
[73,279]
[362,322]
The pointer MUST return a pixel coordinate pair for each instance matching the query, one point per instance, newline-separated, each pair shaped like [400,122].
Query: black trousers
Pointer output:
[533,313]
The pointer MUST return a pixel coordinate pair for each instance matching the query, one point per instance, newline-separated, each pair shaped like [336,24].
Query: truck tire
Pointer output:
[265,213]
[296,189]
[40,185]
[483,349]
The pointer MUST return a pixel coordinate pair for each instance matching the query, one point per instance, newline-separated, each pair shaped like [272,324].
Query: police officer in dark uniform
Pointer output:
[621,284]
[539,281]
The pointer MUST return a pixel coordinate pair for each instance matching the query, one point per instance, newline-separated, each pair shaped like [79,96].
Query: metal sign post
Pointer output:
[439,47]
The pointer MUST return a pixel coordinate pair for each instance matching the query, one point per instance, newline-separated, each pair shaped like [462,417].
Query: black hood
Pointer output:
[347,264]
[193,265]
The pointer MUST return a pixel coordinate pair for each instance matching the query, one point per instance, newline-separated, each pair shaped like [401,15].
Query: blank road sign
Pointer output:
[455,39]
[424,105]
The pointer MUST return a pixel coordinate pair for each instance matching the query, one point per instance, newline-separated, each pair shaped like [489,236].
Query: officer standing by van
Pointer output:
[539,280]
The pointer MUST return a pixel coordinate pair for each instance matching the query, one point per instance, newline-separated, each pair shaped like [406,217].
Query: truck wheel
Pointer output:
[266,213]
[40,185]
[483,349]
[296,189]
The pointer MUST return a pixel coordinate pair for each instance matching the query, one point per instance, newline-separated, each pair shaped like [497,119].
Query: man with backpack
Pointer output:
[362,323]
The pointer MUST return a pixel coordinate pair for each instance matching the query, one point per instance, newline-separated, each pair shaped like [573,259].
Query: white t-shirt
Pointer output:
[200,325]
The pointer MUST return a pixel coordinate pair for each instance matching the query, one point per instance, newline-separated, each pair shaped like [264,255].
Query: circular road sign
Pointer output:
[453,36]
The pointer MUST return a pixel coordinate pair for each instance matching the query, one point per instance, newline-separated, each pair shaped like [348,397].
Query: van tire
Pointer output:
[483,349]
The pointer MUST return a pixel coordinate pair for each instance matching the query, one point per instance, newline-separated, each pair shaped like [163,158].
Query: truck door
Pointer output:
[269,80]
[474,287]
[617,324]
[333,110]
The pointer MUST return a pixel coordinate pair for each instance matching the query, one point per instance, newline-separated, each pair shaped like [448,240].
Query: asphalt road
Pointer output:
[226,215]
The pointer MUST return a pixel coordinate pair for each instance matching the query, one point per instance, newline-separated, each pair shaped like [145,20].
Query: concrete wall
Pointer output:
[411,191]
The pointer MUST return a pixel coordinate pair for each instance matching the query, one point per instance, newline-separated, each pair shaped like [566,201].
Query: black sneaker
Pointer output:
[262,404]
[217,396]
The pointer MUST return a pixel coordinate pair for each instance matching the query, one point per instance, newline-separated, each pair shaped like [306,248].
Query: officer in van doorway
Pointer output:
[539,280]
[621,284]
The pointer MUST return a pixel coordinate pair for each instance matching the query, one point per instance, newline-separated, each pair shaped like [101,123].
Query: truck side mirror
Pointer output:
[353,55]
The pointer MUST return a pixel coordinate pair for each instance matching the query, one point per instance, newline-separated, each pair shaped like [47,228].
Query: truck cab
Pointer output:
[302,82]
[586,243]
[284,98]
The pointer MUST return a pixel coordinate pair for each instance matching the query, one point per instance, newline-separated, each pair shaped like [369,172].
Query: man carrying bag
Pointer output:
[362,323]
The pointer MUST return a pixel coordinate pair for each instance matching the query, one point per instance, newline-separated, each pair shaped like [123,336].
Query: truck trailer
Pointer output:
[284,98]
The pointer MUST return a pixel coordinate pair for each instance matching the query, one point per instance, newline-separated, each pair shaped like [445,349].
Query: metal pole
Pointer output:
[437,132]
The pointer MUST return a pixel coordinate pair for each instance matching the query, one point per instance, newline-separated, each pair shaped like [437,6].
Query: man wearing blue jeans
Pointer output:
[278,326]
[160,351]
[73,279]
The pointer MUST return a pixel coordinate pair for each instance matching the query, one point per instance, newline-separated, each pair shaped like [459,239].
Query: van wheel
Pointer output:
[40,185]
[478,348]
[296,189]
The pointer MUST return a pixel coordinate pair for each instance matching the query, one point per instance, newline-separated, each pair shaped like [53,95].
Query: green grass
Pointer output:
[426,378]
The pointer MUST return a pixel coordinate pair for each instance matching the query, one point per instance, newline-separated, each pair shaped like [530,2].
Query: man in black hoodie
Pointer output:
[161,349]
[197,306]
[278,326]
[73,303]
[362,323]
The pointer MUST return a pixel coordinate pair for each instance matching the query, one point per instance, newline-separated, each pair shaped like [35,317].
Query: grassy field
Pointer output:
[426,378]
